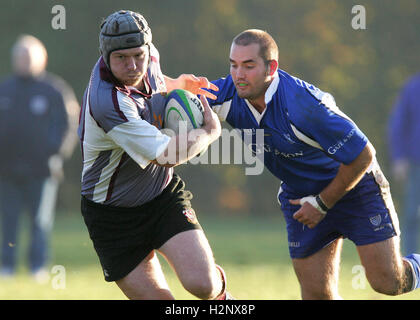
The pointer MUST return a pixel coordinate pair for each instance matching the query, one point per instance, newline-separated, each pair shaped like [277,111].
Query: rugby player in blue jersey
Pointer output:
[331,184]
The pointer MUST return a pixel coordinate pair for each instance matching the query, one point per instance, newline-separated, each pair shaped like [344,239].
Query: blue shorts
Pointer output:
[364,215]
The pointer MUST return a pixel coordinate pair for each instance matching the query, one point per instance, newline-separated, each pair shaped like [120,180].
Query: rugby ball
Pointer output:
[183,110]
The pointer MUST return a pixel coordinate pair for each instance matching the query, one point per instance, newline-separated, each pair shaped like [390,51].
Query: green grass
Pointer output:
[253,252]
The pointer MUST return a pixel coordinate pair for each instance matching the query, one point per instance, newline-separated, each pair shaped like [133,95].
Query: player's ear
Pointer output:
[272,67]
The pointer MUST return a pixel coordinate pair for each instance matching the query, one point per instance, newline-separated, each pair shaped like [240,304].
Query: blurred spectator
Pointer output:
[404,137]
[38,122]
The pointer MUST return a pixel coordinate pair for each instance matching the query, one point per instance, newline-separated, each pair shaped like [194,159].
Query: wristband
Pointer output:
[321,203]
[314,203]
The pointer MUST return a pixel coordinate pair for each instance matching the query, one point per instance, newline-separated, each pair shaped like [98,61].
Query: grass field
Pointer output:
[252,251]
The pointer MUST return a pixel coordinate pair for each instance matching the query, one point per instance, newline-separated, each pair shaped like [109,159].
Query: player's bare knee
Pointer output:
[203,290]
[203,287]
[318,294]
[385,284]
[321,290]
[133,295]
[131,290]
[384,288]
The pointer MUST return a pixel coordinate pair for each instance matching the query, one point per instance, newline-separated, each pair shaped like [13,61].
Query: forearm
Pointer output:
[171,84]
[71,139]
[196,85]
[182,148]
[348,177]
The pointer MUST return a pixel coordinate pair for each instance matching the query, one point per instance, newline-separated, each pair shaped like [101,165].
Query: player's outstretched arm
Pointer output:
[347,178]
[191,83]
[183,147]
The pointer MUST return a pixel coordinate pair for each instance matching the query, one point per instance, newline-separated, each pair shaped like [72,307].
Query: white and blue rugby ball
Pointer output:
[183,109]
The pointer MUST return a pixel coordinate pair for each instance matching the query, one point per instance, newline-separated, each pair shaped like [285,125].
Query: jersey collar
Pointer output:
[272,88]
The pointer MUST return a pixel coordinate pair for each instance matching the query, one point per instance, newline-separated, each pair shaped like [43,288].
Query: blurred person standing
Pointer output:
[403,137]
[38,122]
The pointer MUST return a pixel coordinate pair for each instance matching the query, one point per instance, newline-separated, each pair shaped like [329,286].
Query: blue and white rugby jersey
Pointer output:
[306,136]
[119,134]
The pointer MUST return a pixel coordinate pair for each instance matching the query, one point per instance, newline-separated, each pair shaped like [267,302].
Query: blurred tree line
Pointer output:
[364,69]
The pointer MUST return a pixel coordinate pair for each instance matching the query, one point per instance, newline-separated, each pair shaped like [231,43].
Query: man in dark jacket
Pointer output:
[403,137]
[38,116]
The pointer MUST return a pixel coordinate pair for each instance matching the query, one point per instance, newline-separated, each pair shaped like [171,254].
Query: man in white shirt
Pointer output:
[132,202]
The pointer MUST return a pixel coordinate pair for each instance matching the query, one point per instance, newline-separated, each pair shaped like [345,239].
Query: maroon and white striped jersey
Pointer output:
[119,130]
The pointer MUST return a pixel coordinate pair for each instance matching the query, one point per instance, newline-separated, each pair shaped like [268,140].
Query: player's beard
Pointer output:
[254,92]
[133,81]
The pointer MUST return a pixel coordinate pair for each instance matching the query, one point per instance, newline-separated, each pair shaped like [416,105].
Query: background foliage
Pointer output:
[363,69]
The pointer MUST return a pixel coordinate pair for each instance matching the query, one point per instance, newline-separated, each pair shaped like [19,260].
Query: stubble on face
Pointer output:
[249,72]
[129,66]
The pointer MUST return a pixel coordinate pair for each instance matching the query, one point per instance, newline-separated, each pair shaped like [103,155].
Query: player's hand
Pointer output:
[307,214]
[55,164]
[196,84]
[211,120]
